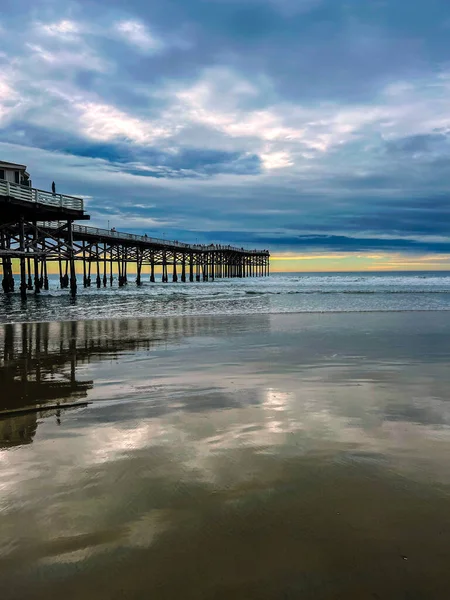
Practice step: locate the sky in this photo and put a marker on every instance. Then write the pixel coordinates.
(317, 129)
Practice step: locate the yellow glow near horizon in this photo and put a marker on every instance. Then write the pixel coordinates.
(358, 261)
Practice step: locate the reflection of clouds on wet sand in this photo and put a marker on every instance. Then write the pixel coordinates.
(200, 439)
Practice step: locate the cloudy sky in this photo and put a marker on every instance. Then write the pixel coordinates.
(319, 129)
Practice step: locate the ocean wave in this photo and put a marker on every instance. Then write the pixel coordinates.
(337, 292)
(275, 295)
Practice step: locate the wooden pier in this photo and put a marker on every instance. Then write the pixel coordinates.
(38, 227)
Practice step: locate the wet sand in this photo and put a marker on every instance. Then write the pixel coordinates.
(272, 456)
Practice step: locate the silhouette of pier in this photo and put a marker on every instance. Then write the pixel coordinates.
(38, 227)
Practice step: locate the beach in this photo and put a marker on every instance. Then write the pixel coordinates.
(225, 300)
(227, 456)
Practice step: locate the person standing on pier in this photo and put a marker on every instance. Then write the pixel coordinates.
(53, 188)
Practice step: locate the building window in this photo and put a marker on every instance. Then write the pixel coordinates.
(17, 176)
(2, 173)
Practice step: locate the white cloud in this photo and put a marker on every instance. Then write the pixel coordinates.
(276, 160)
(104, 122)
(60, 28)
(9, 99)
(137, 34)
(309, 132)
(80, 57)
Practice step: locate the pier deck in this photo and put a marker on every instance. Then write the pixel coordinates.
(31, 204)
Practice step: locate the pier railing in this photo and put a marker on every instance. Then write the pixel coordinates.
(143, 239)
(28, 194)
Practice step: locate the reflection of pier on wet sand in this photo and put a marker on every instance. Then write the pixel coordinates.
(39, 361)
(34, 373)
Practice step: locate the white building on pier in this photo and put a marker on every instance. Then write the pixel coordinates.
(14, 173)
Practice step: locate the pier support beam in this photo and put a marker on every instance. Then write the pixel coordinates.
(7, 284)
(205, 266)
(61, 279)
(174, 274)
(98, 280)
(122, 256)
(30, 280)
(111, 277)
(183, 267)
(73, 275)
(89, 259)
(105, 278)
(7, 281)
(197, 268)
(152, 267)
(138, 267)
(119, 268)
(37, 288)
(165, 277)
(191, 267)
(23, 273)
(212, 265)
(44, 273)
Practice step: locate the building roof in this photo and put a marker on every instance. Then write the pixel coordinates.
(12, 165)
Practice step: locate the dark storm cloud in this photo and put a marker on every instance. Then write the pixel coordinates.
(284, 123)
(352, 244)
(337, 243)
(423, 143)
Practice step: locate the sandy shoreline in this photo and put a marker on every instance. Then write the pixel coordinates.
(265, 456)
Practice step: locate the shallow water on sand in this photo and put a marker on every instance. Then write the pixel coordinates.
(247, 457)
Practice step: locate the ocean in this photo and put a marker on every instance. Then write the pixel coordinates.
(279, 293)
